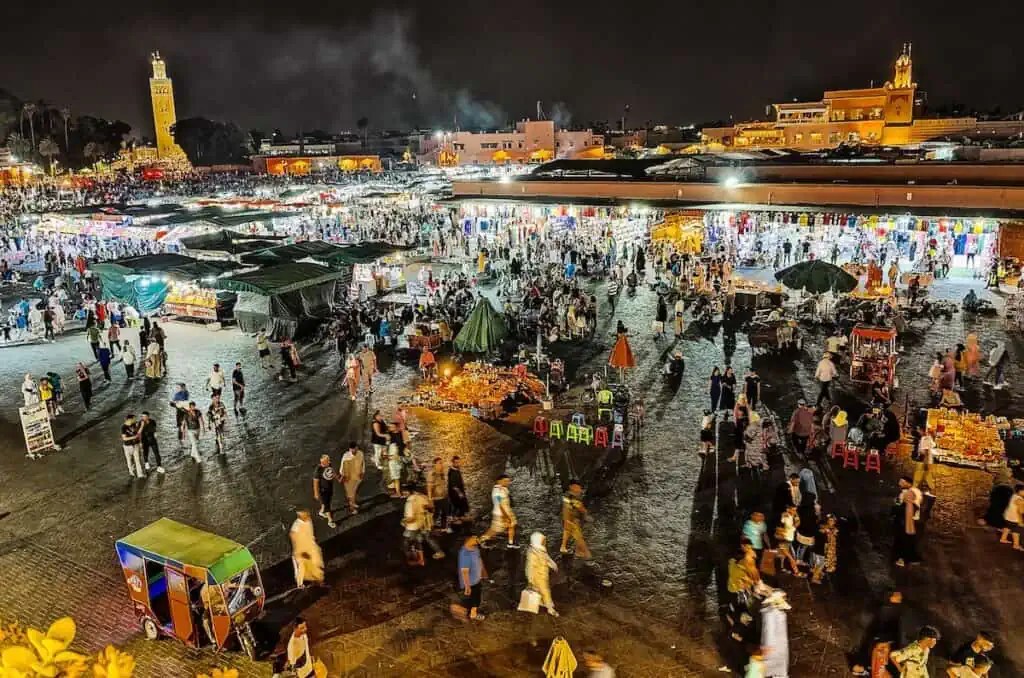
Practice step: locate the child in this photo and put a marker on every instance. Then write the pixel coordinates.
(935, 374)
(707, 433)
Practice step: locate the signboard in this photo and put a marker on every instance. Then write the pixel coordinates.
(35, 423)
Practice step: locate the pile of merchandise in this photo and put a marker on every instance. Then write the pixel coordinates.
(479, 388)
(967, 438)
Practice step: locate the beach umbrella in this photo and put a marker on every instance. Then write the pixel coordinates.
(622, 355)
(816, 276)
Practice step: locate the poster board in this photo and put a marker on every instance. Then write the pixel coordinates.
(35, 424)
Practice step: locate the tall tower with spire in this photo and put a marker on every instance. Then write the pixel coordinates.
(161, 91)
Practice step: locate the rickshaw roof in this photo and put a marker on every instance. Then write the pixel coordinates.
(171, 540)
(876, 333)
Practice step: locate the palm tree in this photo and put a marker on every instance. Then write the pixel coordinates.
(29, 111)
(363, 123)
(65, 113)
(18, 145)
(49, 148)
(92, 151)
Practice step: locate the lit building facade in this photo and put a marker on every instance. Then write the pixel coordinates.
(530, 141)
(872, 116)
(161, 92)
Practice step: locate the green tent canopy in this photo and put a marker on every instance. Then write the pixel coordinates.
(278, 279)
(484, 330)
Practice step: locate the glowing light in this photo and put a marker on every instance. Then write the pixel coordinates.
(732, 181)
(506, 179)
(447, 372)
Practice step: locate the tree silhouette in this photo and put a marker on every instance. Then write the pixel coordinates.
(28, 111)
(49, 148)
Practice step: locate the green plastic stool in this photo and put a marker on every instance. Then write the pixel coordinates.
(572, 433)
(557, 429)
(587, 434)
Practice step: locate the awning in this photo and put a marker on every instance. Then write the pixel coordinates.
(286, 277)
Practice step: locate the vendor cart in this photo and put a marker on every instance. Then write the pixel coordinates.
(873, 355)
(773, 336)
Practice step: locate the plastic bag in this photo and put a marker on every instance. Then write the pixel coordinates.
(529, 601)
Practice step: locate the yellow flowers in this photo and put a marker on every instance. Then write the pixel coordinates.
(30, 653)
(220, 673)
(112, 663)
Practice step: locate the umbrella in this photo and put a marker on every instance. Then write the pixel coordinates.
(560, 662)
(816, 276)
(484, 330)
(622, 355)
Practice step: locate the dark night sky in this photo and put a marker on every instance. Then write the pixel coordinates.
(291, 63)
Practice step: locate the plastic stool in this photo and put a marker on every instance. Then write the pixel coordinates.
(873, 462)
(540, 427)
(892, 451)
(557, 430)
(851, 459)
(838, 449)
(572, 433)
(579, 419)
(586, 434)
(601, 436)
(617, 440)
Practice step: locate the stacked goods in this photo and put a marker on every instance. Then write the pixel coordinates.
(967, 438)
(481, 387)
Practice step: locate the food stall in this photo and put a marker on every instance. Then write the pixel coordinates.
(967, 438)
(190, 300)
(873, 354)
(755, 294)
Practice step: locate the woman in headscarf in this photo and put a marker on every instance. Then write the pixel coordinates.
(538, 567)
(807, 484)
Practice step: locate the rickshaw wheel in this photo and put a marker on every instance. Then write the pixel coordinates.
(150, 628)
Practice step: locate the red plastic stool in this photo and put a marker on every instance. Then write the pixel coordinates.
(838, 449)
(540, 427)
(873, 462)
(601, 436)
(851, 459)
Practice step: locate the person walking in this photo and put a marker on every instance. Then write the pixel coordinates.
(215, 380)
(379, 438)
(300, 660)
(924, 461)
(728, 401)
(263, 350)
(114, 337)
(238, 389)
(216, 418)
(192, 426)
(824, 374)
(307, 558)
(912, 661)
(179, 401)
(29, 390)
(323, 488)
(103, 356)
(416, 521)
(437, 493)
(92, 335)
(471, 576)
(538, 569)
(287, 363)
(573, 514)
(368, 362)
(353, 468)
(129, 358)
(84, 384)
(906, 513)
(147, 436)
(130, 443)
(458, 503)
(715, 388)
(352, 376)
(801, 425)
(1013, 518)
(503, 520)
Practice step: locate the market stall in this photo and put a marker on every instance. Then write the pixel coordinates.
(285, 300)
(967, 438)
(481, 389)
(755, 294)
(873, 354)
(142, 282)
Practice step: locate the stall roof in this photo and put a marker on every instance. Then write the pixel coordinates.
(231, 242)
(333, 255)
(149, 263)
(286, 277)
(197, 270)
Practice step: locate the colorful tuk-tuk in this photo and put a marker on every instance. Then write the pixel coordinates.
(873, 355)
(193, 585)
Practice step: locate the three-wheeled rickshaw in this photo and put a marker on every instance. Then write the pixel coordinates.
(193, 585)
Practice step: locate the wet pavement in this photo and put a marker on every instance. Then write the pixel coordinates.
(664, 522)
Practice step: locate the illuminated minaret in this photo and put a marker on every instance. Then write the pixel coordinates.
(161, 91)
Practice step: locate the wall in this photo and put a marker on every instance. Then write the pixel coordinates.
(898, 197)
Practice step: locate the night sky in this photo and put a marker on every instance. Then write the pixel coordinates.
(292, 64)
